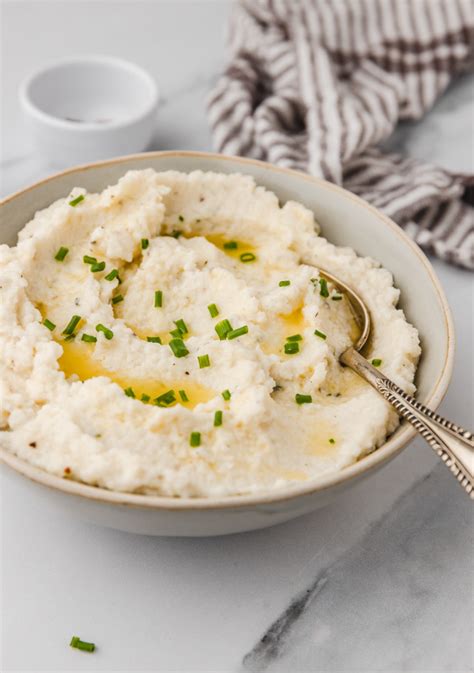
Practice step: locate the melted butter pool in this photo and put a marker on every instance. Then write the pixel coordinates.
(78, 359)
(221, 241)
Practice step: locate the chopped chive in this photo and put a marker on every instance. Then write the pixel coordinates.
(77, 200)
(50, 325)
(107, 332)
(233, 334)
(87, 259)
(223, 328)
(145, 397)
(213, 310)
(195, 439)
(332, 440)
(178, 348)
(231, 245)
(129, 392)
(336, 297)
(294, 337)
(176, 333)
(217, 419)
(145, 243)
(204, 361)
(376, 362)
(292, 347)
(61, 254)
(98, 266)
(324, 292)
(181, 325)
(70, 337)
(319, 334)
(284, 283)
(72, 324)
(226, 395)
(112, 274)
(303, 399)
(182, 394)
(89, 338)
(180, 218)
(117, 299)
(81, 644)
(158, 298)
(247, 257)
(165, 399)
(154, 339)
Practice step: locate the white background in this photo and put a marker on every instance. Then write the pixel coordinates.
(393, 554)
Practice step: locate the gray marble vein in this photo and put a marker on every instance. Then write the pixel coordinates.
(397, 564)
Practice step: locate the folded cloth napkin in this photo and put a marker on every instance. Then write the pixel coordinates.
(317, 85)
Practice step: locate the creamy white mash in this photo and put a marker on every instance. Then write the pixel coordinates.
(172, 335)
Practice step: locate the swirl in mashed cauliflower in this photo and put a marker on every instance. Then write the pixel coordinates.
(172, 335)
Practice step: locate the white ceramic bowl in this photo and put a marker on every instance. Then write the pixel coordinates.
(89, 108)
(345, 220)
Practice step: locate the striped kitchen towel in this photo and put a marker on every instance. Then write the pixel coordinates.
(317, 85)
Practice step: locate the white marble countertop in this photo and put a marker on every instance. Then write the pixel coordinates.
(380, 580)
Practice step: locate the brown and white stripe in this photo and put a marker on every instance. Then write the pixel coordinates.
(317, 85)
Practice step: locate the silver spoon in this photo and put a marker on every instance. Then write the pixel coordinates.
(453, 444)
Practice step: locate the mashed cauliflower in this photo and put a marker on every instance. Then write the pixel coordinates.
(172, 335)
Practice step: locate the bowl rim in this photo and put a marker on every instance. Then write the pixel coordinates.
(388, 450)
(52, 121)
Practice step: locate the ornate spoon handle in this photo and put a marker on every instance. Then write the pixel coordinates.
(453, 444)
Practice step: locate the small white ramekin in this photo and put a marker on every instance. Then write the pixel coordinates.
(89, 108)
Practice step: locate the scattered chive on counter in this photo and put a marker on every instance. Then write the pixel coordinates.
(89, 338)
(72, 324)
(105, 330)
(50, 325)
(117, 299)
(233, 334)
(61, 254)
(184, 397)
(213, 310)
(217, 418)
(284, 283)
(226, 395)
(324, 292)
(223, 328)
(294, 337)
(376, 362)
(158, 298)
(144, 243)
(112, 274)
(292, 347)
(178, 347)
(247, 257)
(165, 399)
(81, 644)
(204, 361)
(303, 399)
(231, 245)
(129, 392)
(77, 200)
(97, 266)
(319, 334)
(154, 339)
(195, 439)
